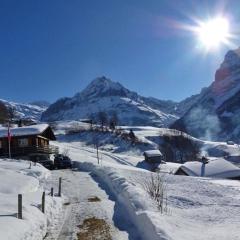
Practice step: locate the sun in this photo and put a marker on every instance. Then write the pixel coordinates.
(213, 33)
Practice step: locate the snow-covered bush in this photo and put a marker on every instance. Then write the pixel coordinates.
(156, 187)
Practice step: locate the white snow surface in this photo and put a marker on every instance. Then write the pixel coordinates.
(25, 130)
(198, 208)
(16, 178)
(153, 153)
(219, 168)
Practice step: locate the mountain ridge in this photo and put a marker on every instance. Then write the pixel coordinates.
(25, 110)
(111, 96)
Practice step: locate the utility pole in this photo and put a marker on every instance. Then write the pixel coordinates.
(9, 140)
(97, 154)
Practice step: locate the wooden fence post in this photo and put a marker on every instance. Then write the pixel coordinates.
(52, 192)
(60, 187)
(19, 206)
(43, 202)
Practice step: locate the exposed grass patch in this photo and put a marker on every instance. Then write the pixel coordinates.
(94, 229)
(94, 199)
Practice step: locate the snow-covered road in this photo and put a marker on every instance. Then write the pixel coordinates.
(87, 198)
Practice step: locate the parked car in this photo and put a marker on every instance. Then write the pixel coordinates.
(45, 161)
(230, 143)
(62, 161)
(47, 164)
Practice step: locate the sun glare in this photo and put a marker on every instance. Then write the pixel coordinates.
(213, 33)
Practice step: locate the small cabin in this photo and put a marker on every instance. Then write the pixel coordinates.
(27, 142)
(153, 156)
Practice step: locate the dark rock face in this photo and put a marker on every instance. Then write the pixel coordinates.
(215, 116)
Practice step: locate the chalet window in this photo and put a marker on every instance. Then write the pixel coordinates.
(23, 142)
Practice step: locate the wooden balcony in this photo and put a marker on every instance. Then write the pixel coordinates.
(30, 150)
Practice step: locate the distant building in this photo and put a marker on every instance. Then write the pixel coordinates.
(216, 168)
(153, 156)
(28, 142)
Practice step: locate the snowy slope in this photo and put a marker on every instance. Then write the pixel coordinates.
(24, 110)
(104, 95)
(16, 178)
(216, 114)
(148, 137)
(198, 208)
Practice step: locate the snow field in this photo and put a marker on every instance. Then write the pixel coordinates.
(199, 208)
(16, 178)
(132, 198)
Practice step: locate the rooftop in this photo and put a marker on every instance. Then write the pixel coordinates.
(24, 131)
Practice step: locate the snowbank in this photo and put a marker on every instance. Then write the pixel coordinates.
(16, 178)
(198, 208)
(133, 199)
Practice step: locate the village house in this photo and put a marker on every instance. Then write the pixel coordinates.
(153, 156)
(214, 168)
(27, 142)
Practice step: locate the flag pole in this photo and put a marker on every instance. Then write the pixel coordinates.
(9, 141)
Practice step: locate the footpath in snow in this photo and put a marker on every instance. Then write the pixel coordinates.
(91, 211)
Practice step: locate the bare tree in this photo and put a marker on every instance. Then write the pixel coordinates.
(92, 120)
(95, 141)
(3, 113)
(156, 187)
(179, 148)
(11, 113)
(103, 119)
(113, 121)
(65, 152)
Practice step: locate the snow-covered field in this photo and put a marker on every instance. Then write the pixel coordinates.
(16, 178)
(197, 208)
(150, 138)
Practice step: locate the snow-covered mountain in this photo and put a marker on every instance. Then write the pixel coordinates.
(104, 95)
(24, 110)
(216, 114)
(41, 103)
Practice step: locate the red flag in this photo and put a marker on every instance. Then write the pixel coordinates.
(9, 133)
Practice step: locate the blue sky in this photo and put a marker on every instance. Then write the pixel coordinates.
(53, 49)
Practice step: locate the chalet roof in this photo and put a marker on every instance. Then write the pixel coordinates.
(152, 153)
(219, 168)
(24, 131)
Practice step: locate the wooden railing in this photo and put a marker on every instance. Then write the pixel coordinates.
(18, 151)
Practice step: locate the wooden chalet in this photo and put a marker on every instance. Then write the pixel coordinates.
(153, 156)
(27, 142)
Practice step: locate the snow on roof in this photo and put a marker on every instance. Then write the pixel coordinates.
(219, 168)
(23, 131)
(152, 153)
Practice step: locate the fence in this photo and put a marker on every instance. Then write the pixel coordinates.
(20, 199)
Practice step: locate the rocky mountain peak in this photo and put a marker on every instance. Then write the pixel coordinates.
(103, 87)
(216, 113)
(227, 77)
